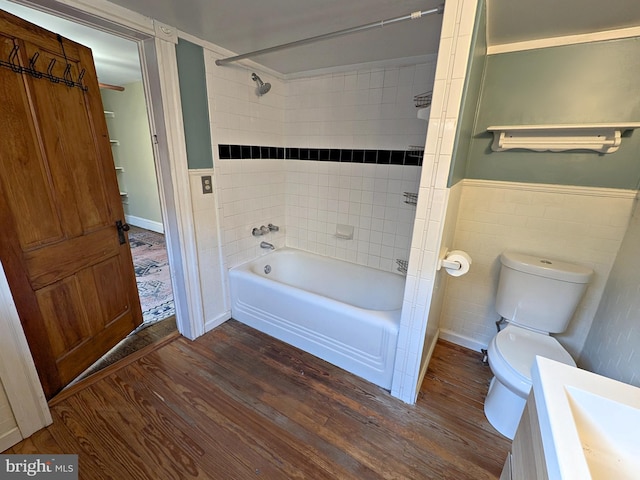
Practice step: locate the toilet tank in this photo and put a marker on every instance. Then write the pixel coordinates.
(539, 293)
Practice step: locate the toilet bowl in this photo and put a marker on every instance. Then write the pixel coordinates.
(511, 354)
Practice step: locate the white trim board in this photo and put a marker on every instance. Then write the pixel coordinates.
(17, 370)
(425, 363)
(144, 223)
(550, 188)
(381, 64)
(9, 439)
(566, 40)
(217, 321)
(461, 340)
(86, 12)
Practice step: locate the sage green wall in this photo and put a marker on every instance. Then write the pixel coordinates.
(134, 153)
(195, 104)
(471, 97)
(587, 83)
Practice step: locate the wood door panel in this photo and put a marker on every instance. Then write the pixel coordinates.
(83, 356)
(23, 175)
(66, 320)
(52, 263)
(113, 302)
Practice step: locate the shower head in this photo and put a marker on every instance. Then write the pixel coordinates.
(262, 87)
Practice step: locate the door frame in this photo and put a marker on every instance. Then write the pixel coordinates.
(156, 44)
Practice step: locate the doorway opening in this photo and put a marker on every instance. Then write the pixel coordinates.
(126, 115)
(119, 70)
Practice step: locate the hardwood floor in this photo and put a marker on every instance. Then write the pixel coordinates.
(237, 404)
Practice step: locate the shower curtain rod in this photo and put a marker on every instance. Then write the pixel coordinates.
(339, 33)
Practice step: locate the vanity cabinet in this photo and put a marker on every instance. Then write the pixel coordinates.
(526, 459)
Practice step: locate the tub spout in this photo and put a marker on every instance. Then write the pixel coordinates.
(267, 245)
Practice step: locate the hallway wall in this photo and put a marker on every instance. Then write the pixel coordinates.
(130, 128)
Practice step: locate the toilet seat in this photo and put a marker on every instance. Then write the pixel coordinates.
(512, 352)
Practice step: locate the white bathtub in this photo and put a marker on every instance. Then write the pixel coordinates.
(346, 314)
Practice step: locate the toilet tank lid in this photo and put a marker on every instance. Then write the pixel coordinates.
(546, 267)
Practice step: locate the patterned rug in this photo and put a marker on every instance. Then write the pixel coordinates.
(152, 274)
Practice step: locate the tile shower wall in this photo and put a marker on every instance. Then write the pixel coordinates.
(321, 195)
(251, 193)
(578, 225)
(238, 115)
(366, 109)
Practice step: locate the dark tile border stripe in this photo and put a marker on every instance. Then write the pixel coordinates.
(381, 157)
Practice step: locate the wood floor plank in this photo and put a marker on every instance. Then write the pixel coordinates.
(237, 413)
(237, 404)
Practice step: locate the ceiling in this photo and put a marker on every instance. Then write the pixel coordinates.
(246, 25)
(511, 21)
(242, 26)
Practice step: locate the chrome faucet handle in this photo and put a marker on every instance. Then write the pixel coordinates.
(257, 232)
(273, 227)
(264, 229)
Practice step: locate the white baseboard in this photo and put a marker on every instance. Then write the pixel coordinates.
(144, 223)
(217, 321)
(9, 439)
(425, 364)
(461, 340)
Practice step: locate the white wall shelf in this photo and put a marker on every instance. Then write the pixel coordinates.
(600, 137)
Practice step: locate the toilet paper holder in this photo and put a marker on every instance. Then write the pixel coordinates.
(451, 264)
(447, 264)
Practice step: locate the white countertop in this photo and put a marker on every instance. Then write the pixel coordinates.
(590, 424)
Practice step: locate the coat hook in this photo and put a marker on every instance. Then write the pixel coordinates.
(13, 55)
(66, 76)
(32, 66)
(50, 74)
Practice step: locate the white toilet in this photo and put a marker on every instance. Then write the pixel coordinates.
(536, 297)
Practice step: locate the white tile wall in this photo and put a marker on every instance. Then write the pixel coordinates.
(453, 55)
(613, 345)
(321, 195)
(237, 114)
(252, 194)
(364, 109)
(574, 224)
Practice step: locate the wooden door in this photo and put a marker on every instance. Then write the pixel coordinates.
(71, 277)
